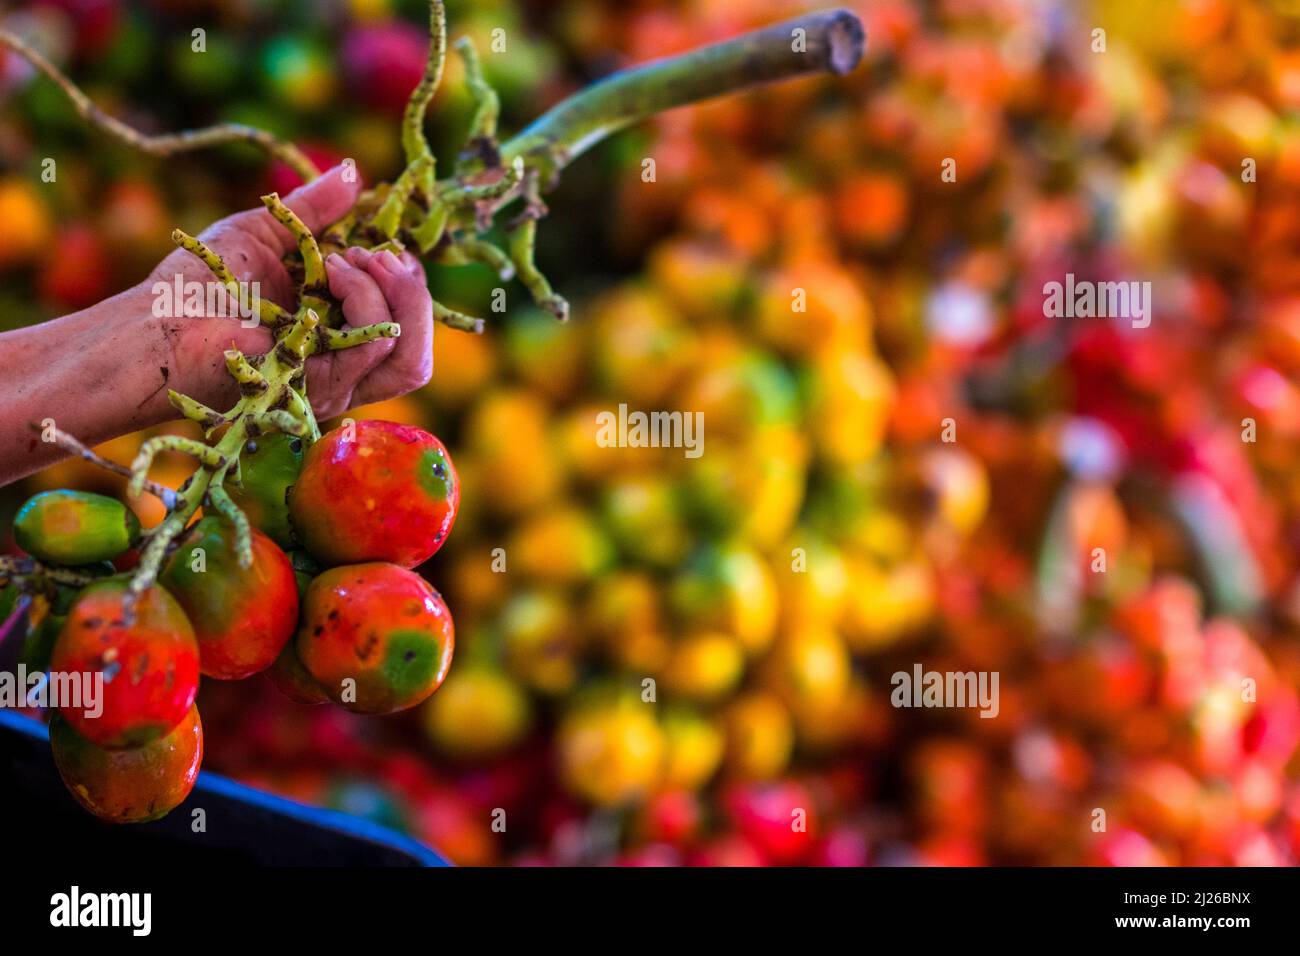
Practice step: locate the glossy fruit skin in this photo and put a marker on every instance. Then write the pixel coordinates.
(130, 786)
(242, 617)
(150, 668)
(382, 626)
(387, 493)
(268, 467)
(75, 527)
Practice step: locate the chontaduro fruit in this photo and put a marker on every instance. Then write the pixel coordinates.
(375, 491)
(130, 786)
(75, 527)
(242, 617)
(377, 637)
(150, 667)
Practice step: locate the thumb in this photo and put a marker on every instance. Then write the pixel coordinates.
(326, 199)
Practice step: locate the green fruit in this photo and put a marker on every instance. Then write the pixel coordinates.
(268, 467)
(75, 527)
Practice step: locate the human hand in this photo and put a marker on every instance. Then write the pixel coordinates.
(370, 287)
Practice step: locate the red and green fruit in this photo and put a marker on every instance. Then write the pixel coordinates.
(242, 617)
(130, 786)
(376, 637)
(75, 527)
(375, 491)
(150, 667)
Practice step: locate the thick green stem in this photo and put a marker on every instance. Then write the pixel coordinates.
(830, 41)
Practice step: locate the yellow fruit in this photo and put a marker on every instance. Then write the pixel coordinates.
(753, 491)
(728, 589)
(809, 664)
(701, 279)
(642, 349)
(824, 725)
(884, 605)
(760, 737)
(507, 434)
(643, 516)
(611, 753)
(475, 583)
(694, 746)
(813, 584)
(578, 439)
(539, 641)
(478, 712)
(850, 397)
(622, 615)
(739, 390)
(704, 666)
(621, 602)
(814, 307)
(462, 366)
(560, 546)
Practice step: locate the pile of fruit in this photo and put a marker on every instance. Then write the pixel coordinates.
(1122, 690)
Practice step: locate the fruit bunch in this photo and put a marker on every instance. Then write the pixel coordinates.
(289, 551)
(306, 574)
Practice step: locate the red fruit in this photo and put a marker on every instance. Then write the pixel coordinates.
(384, 63)
(150, 668)
(130, 786)
(376, 637)
(78, 276)
(729, 850)
(96, 23)
(671, 817)
(777, 817)
(242, 617)
(375, 491)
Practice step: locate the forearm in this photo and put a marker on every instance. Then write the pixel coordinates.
(96, 374)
